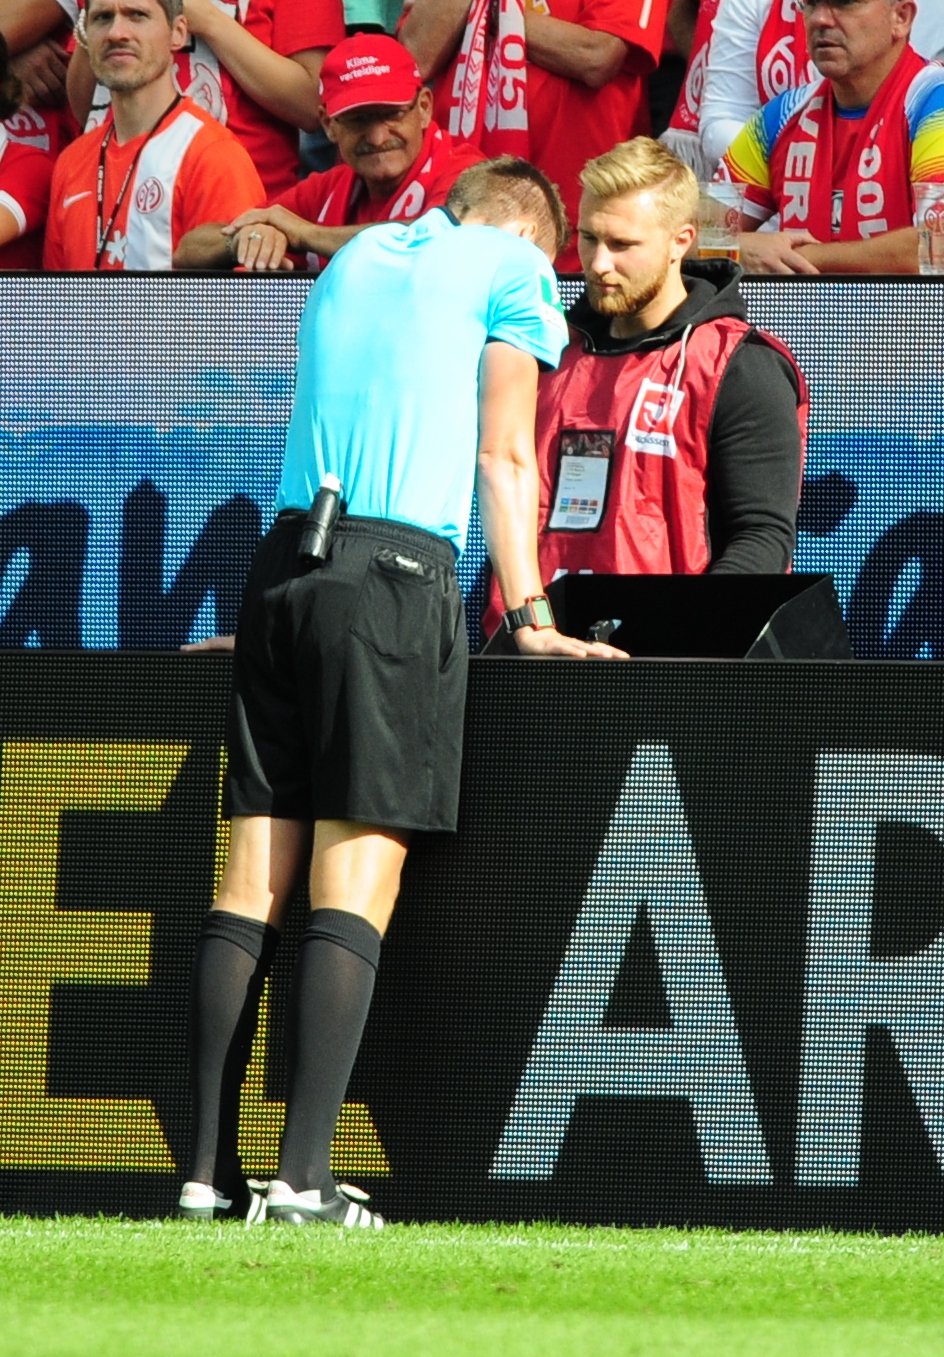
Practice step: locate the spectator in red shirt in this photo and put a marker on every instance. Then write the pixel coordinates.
(254, 65)
(576, 68)
(395, 163)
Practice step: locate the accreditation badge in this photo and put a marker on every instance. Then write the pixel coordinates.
(584, 462)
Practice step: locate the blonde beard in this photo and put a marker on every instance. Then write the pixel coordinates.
(630, 301)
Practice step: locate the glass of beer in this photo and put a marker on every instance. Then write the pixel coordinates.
(719, 220)
(929, 219)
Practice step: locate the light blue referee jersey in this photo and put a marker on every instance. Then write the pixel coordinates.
(386, 389)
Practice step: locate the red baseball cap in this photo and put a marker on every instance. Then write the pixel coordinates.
(368, 69)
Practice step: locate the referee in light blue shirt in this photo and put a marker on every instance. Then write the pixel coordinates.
(419, 352)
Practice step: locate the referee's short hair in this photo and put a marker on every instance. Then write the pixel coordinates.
(509, 188)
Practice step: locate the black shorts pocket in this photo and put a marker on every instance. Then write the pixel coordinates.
(397, 611)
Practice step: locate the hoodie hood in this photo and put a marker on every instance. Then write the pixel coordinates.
(712, 286)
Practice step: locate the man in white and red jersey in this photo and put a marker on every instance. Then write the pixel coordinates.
(253, 64)
(25, 172)
(572, 71)
(670, 439)
(682, 135)
(123, 194)
(395, 164)
(836, 158)
(759, 50)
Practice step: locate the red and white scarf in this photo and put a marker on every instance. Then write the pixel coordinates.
(488, 101)
(783, 59)
(870, 200)
(688, 106)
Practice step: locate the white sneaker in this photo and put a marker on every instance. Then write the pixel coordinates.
(310, 1208)
(200, 1201)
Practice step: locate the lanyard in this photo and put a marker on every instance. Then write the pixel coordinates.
(103, 232)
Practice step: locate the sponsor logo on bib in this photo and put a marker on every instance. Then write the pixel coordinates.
(652, 420)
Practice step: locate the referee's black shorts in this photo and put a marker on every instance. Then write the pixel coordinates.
(349, 680)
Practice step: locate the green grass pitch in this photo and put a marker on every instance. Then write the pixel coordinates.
(98, 1287)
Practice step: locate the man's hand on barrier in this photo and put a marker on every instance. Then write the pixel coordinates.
(257, 244)
(776, 252)
(550, 641)
(218, 645)
(265, 225)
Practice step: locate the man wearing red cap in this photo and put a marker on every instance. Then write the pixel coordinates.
(395, 163)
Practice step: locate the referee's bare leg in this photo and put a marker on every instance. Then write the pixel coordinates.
(266, 858)
(354, 867)
(357, 867)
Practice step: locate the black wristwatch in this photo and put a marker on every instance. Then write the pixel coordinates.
(536, 612)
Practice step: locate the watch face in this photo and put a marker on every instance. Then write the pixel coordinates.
(543, 613)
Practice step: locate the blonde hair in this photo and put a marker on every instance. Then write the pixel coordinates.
(645, 165)
(506, 188)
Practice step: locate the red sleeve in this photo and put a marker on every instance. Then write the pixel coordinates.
(52, 246)
(309, 195)
(290, 26)
(25, 175)
(220, 183)
(640, 23)
(52, 241)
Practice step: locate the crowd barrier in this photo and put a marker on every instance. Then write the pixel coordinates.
(142, 421)
(683, 962)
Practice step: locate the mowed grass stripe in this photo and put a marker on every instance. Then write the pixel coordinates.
(105, 1286)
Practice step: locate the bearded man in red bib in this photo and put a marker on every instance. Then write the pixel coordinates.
(670, 440)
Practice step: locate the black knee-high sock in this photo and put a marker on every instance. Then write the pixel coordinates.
(231, 963)
(331, 992)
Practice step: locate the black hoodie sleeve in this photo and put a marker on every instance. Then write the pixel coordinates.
(754, 463)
